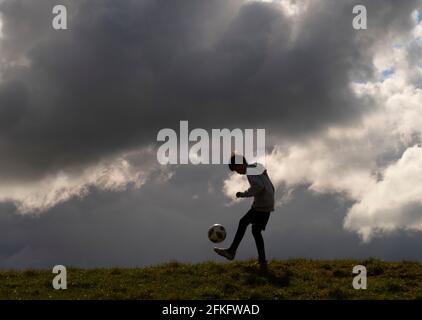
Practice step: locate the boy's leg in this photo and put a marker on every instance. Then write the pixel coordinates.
(258, 225)
(241, 229)
(259, 241)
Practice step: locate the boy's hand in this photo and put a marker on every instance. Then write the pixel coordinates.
(238, 194)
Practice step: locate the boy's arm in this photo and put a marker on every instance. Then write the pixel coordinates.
(256, 188)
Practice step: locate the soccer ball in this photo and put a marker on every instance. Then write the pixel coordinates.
(216, 233)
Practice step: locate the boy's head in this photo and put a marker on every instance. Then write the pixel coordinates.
(238, 163)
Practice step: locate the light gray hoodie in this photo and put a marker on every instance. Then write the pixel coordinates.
(262, 189)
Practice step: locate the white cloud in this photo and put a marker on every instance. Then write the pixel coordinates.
(374, 162)
(393, 203)
(289, 7)
(234, 184)
(131, 169)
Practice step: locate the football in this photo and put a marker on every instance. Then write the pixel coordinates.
(216, 233)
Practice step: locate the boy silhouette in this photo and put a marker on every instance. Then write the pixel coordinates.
(262, 189)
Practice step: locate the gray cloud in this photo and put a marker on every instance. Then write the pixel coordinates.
(126, 69)
(110, 229)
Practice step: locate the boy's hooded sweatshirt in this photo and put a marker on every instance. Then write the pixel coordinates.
(261, 188)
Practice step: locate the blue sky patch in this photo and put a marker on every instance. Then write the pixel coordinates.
(387, 73)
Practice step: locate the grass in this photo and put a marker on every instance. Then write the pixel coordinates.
(290, 279)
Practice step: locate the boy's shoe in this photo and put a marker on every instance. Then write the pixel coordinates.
(263, 266)
(226, 253)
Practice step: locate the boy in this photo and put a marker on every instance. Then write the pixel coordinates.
(262, 189)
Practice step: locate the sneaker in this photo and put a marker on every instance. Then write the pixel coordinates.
(263, 266)
(226, 253)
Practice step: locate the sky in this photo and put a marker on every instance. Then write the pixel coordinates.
(80, 109)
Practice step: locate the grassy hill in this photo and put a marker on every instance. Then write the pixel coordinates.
(290, 279)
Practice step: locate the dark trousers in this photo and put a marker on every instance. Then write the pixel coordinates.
(259, 221)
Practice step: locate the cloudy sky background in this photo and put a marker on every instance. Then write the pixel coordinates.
(80, 111)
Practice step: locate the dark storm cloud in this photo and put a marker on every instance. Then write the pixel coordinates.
(126, 69)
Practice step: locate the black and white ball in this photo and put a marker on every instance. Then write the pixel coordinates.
(216, 233)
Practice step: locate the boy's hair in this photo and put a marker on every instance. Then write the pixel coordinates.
(236, 160)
